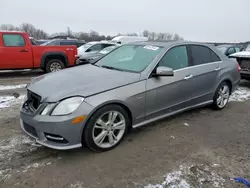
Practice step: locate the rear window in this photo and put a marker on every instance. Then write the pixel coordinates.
(13, 40)
(202, 55)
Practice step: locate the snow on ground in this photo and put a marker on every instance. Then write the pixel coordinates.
(6, 71)
(10, 87)
(240, 95)
(191, 177)
(76, 185)
(7, 173)
(18, 144)
(7, 101)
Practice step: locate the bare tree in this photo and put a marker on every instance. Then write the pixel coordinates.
(145, 33)
(9, 27)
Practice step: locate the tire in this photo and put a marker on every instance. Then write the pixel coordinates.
(219, 104)
(92, 134)
(54, 65)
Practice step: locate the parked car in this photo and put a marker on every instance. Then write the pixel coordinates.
(132, 86)
(93, 57)
(128, 39)
(243, 58)
(18, 52)
(228, 49)
(93, 48)
(64, 42)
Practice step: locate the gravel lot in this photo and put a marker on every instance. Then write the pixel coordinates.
(200, 148)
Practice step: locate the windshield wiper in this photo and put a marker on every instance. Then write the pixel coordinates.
(112, 68)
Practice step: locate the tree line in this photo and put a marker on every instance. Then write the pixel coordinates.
(87, 36)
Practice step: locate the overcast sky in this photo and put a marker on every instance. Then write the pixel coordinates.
(198, 20)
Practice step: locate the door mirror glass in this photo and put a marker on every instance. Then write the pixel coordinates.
(164, 71)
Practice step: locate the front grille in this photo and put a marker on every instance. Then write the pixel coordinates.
(34, 100)
(30, 129)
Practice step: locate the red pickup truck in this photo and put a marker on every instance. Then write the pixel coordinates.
(17, 52)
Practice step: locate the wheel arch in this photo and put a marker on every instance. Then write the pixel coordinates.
(54, 55)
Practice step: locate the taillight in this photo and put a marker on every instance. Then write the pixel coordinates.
(238, 67)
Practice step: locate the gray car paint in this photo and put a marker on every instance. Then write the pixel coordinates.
(146, 98)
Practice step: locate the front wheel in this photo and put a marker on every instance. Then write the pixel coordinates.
(106, 128)
(221, 96)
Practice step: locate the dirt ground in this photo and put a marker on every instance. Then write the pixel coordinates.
(200, 148)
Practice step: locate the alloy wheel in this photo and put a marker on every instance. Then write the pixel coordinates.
(109, 129)
(223, 96)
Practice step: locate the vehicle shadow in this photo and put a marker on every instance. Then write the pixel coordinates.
(20, 73)
(245, 83)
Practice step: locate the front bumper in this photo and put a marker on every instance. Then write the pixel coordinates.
(56, 132)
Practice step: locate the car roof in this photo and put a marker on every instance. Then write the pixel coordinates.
(167, 44)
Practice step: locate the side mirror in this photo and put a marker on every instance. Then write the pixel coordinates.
(164, 71)
(88, 50)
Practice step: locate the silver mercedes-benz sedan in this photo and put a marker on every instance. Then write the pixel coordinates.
(96, 104)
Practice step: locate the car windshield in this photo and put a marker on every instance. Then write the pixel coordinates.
(248, 48)
(223, 49)
(107, 50)
(131, 58)
(85, 46)
(45, 43)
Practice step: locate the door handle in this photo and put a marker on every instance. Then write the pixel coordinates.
(188, 77)
(23, 50)
(218, 68)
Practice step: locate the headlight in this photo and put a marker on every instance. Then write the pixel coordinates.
(65, 107)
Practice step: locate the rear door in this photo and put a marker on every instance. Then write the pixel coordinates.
(17, 52)
(206, 65)
(166, 95)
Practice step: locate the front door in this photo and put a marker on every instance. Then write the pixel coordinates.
(16, 53)
(166, 95)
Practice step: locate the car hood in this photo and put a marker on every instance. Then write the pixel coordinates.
(243, 54)
(84, 80)
(87, 56)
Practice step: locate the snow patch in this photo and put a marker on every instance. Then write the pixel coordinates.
(7, 101)
(5, 174)
(191, 176)
(240, 94)
(173, 137)
(10, 87)
(19, 144)
(34, 165)
(76, 185)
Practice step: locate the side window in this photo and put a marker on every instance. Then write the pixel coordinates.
(65, 43)
(231, 50)
(201, 55)
(96, 47)
(237, 49)
(107, 45)
(175, 58)
(13, 40)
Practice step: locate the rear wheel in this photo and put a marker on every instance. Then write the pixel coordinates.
(106, 128)
(221, 96)
(54, 65)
